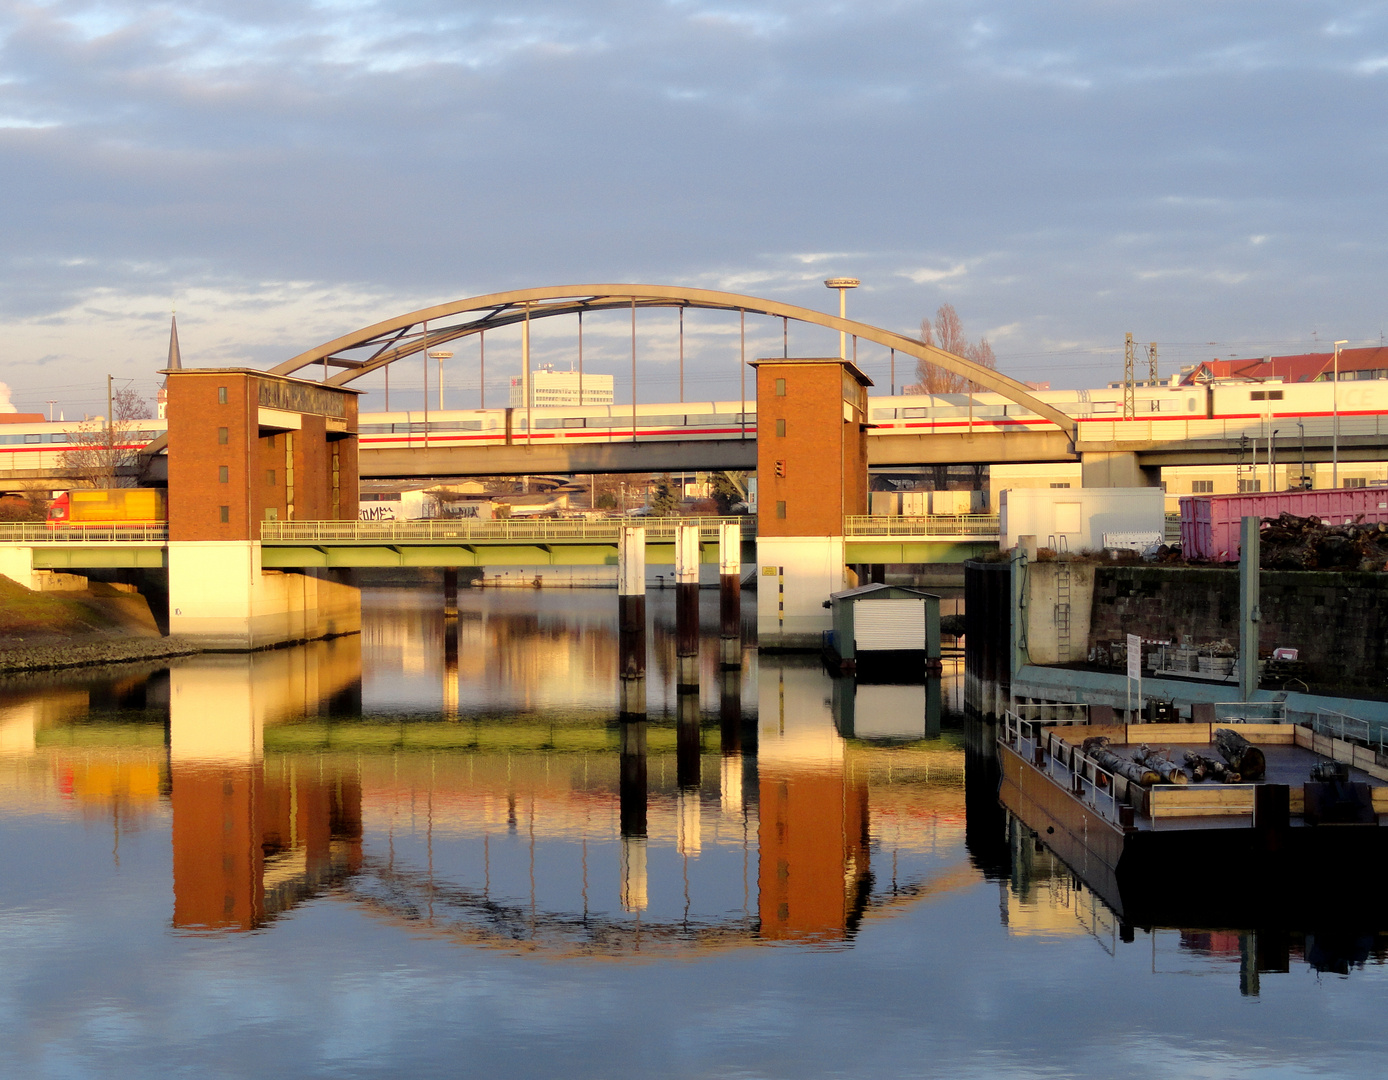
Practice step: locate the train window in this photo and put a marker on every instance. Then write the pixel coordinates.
(60, 437)
(744, 418)
(548, 422)
(1265, 395)
(368, 429)
(221, 395)
(575, 422)
(884, 414)
(1105, 406)
(702, 420)
(915, 414)
(8, 439)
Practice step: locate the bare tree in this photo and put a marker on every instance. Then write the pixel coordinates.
(101, 448)
(947, 332)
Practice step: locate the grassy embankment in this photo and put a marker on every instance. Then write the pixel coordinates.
(27, 614)
(103, 625)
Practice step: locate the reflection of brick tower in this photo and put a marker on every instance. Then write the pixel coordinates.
(218, 864)
(248, 845)
(811, 471)
(813, 840)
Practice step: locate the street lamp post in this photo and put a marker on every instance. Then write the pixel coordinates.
(843, 284)
(441, 355)
(1335, 434)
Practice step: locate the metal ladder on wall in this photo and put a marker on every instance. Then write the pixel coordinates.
(1062, 606)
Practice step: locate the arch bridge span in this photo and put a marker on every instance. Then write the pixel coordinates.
(383, 343)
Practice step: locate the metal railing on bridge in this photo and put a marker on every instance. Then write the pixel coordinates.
(501, 530)
(982, 525)
(40, 532)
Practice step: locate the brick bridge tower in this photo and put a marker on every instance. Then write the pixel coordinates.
(247, 447)
(811, 471)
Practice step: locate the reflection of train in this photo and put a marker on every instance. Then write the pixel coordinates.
(101, 508)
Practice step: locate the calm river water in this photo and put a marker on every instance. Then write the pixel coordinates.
(395, 855)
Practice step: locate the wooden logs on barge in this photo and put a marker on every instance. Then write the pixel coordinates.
(1242, 761)
(1243, 757)
(1164, 767)
(1097, 749)
(1201, 766)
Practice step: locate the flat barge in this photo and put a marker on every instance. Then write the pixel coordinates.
(1288, 845)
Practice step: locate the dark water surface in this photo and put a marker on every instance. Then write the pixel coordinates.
(391, 856)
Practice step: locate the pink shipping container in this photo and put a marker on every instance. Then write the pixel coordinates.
(1210, 523)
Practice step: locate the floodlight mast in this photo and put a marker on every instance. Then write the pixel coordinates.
(843, 284)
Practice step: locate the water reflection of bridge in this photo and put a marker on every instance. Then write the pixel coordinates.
(767, 826)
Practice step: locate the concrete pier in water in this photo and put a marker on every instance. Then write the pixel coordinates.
(687, 606)
(730, 595)
(631, 621)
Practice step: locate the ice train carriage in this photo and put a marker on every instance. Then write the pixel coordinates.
(1221, 410)
(35, 449)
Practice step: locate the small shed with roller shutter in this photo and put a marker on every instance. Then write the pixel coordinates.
(885, 623)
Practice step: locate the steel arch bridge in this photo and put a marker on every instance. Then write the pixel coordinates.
(381, 344)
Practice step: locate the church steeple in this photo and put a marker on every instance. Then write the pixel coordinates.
(175, 358)
(175, 364)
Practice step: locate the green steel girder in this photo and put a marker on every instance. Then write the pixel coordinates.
(914, 551)
(99, 557)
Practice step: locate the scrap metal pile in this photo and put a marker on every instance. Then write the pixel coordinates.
(1308, 543)
(1241, 761)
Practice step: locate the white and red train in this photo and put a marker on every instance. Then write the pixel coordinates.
(1224, 409)
(1219, 410)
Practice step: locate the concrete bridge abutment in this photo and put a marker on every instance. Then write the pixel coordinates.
(1116, 469)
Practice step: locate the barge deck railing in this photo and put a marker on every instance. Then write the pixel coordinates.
(1250, 712)
(1070, 768)
(1053, 712)
(1348, 728)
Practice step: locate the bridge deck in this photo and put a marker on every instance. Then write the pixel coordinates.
(508, 542)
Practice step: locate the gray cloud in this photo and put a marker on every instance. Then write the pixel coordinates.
(1193, 173)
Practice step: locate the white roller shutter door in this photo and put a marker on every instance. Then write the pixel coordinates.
(888, 624)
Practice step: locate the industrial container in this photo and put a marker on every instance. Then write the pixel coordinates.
(1210, 523)
(103, 508)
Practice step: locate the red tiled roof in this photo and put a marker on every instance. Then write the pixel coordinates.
(1303, 367)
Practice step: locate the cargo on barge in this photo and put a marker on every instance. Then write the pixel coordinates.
(1306, 838)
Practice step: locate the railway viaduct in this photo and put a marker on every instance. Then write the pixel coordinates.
(250, 449)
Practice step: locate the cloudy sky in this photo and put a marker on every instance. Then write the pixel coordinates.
(1207, 175)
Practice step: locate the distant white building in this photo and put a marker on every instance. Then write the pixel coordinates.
(550, 389)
